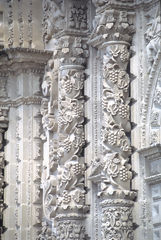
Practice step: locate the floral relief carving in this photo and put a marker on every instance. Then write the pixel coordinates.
(71, 50)
(63, 122)
(154, 137)
(117, 223)
(70, 230)
(78, 17)
(72, 82)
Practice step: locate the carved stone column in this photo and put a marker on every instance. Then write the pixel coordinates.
(64, 188)
(112, 36)
(71, 168)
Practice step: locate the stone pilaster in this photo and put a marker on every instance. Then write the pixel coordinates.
(25, 69)
(112, 36)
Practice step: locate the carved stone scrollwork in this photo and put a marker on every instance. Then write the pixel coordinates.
(117, 222)
(73, 230)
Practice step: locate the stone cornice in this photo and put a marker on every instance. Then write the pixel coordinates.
(72, 32)
(146, 4)
(112, 24)
(123, 5)
(114, 4)
(21, 101)
(23, 59)
(146, 152)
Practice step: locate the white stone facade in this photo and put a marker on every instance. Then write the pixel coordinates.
(80, 119)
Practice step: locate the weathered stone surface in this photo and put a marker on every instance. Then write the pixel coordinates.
(80, 136)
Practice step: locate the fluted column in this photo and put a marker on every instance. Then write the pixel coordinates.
(112, 36)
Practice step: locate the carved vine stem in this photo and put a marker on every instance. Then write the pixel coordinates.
(112, 36)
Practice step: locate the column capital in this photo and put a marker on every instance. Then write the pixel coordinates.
(112, 24)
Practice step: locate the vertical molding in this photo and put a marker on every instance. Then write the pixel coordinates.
(24, 194)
